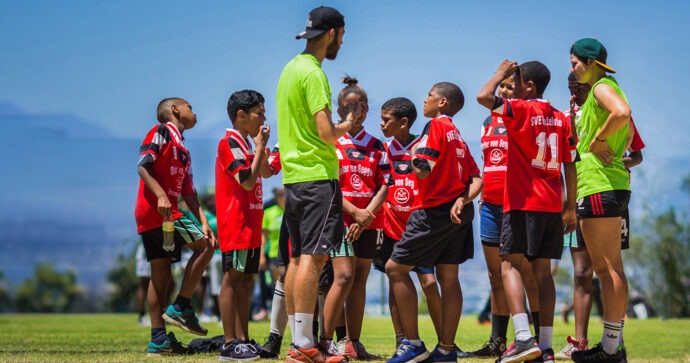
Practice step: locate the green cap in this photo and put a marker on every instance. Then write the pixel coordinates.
(591, 48)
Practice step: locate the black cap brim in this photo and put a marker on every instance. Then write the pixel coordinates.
(308, 34)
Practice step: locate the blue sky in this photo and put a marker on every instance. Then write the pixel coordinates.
(110, 62)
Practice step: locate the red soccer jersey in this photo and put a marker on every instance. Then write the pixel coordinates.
(274, 160)
(164, 153)
(445, 154)
(239, 212)
(495, 154)
(402, 190)
(360, 172)
(637, 143)
(540, 140)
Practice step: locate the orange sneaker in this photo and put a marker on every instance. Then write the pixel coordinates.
(356, 350)
(312, 355)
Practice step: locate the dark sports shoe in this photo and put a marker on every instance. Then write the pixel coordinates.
(598, 355)
(460, 353)
(494, 347)
(520, 351)
(439, 357)
(408, 352)
(185, 320)
(169, 347)
(238, 351)
(547, 356)
(356, 350)
(262, 353)
(272, 343)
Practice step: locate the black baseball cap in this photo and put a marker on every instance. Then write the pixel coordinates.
(321, 19)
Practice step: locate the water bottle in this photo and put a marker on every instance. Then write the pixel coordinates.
(168, 235)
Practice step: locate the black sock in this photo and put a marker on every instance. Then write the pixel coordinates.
(340, 332)
(535, 322)
(499, 326)
(182, 303)
(158, 335)
(141, 314)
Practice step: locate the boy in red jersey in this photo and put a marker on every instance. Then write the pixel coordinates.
(540, 141)
(439, 230)
(397, 116)
(239, 210)
(165, 170)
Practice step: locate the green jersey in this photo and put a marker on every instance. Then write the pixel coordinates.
(592, 176)
(273, 217)
(303, 90)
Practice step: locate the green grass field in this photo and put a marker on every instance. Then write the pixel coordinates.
(117, 338)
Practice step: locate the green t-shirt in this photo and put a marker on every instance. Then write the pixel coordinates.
(303, 90)
(273, 217)
(592, 176)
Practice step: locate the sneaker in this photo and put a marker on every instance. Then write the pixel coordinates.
(312, 355)
(573, 346)
(408, 352)
(598, 355)
(494, 347)
(238, 350)
(329, 347)
(208, 318)
(169, 347)
(460, 353)
(185, 320)
(520, 351)
(262, 353)
(144, 320)
(546, 356)
(272, 343)
(438, 356)
(356, 350)
(260, 315)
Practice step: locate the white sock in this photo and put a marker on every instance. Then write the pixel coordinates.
(622, 326)
(291, 322)
(521, 325)
(304, 337)
(416, 342)
(278, 310)
(545, 334)
(611, 337)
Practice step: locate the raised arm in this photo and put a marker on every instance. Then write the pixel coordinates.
(486, 96)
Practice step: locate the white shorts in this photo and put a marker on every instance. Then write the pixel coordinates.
(143, 266)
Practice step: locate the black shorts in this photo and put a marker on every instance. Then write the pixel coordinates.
(602, 205)
(246, 261)
(326, 276)
(314, 214)
(625, 232)
(431, 238)
(284, 244)
(384, 254)
(186, 232)
(533, 234)
(364, 247)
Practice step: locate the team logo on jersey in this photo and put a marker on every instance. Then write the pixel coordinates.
(402, 166)
(356, 181)
(500, 130)
(259, 193)
(496, 156)
(354, 154)
(401, 195)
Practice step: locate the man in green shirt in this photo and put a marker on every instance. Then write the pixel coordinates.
(313, 201)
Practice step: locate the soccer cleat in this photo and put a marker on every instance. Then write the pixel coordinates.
(169, 347)
(185, 320)
(598, 355)
(312, 355)
(573, 346)
(494, 347)
(520, 351)
(355, 350)
(238, 351)
(437, 356)
(546, 356)
(408, 353)
(272, 343)
(329, 347)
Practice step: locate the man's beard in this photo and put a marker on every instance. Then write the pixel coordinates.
(332, 50)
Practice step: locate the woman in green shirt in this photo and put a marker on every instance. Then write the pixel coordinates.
(603, 189)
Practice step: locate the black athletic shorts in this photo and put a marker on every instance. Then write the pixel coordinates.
(314, 213)
(533, 234)
(246, 260)
(605, 204)
(326, 276)
(625, 232)
(431, 238)
(384, 254)
(364, 247)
